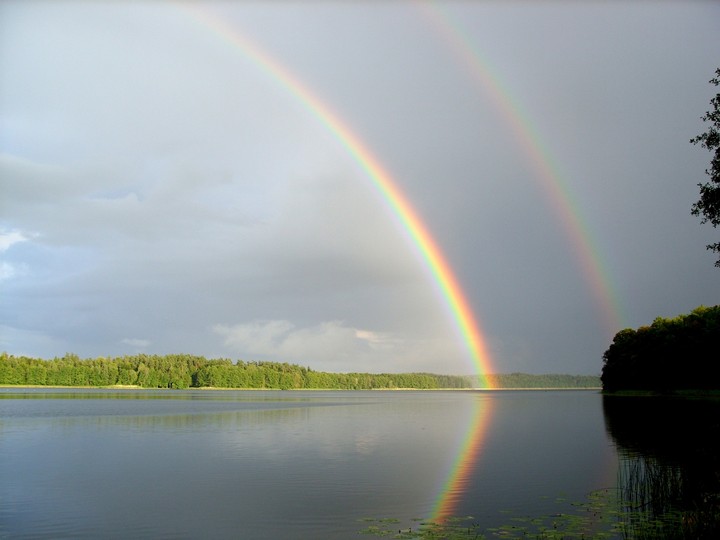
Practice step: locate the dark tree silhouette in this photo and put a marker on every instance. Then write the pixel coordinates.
(669, 355)
(708, 207)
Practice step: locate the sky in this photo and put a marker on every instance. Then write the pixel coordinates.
(173, 178)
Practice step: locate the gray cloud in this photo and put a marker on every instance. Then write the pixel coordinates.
(162, 191)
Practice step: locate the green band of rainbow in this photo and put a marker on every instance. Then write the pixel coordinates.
(440, 269)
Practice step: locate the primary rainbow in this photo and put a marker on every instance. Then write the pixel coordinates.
(454, 297)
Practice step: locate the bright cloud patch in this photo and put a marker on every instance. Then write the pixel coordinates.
(376, 339)
(8, 238)
(135, 342)
(333, 346)
(330, 341)
(7, 270)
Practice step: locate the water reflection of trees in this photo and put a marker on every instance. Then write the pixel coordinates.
(669, 475)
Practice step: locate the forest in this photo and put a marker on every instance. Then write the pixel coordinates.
(187, 371)
(680, 353)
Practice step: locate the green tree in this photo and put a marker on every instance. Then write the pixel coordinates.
(708, 207)
(671, 354)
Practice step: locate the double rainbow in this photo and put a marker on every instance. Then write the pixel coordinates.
(547, 174)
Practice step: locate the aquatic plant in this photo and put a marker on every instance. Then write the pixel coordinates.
(594, 518)
(605, 514)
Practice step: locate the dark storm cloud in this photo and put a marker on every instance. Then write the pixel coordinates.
(163, 193)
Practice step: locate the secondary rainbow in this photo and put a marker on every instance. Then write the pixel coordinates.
(546, 170)
(463, 316)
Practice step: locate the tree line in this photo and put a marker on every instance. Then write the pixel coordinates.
(679, 353)
(547, 380)
(188, 371)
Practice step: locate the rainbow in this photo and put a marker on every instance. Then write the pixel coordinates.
(444, 277)
(457, 478)
(547, 171)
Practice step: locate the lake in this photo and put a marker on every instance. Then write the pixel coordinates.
(307, 465)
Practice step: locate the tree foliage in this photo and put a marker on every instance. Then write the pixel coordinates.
(187, 371)
(708, 207)
(543, 381)
(670, 354)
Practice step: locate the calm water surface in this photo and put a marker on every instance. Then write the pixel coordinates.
(234, 464)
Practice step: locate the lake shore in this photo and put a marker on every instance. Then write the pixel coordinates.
(218, 388)
(688, 394)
